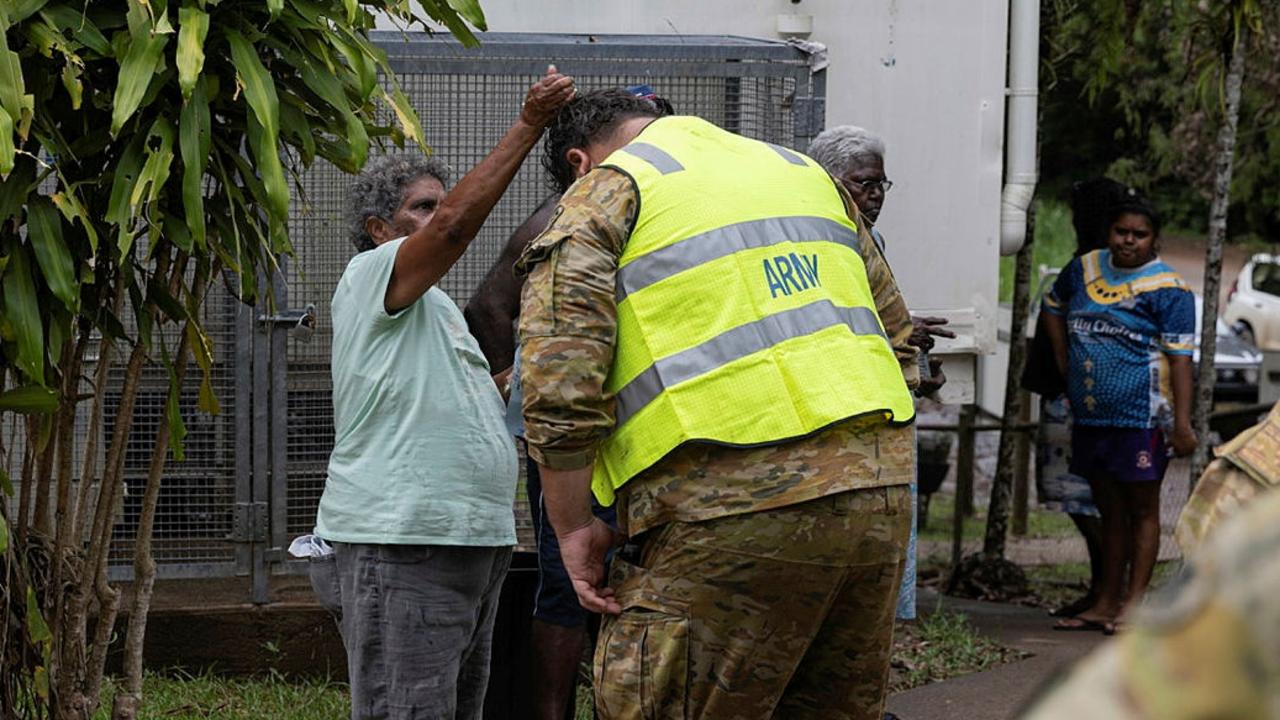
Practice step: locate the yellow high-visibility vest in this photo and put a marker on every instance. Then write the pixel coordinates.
(744, 313)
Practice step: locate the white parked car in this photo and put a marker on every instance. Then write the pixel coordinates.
(1254, 303)
(1236, 361)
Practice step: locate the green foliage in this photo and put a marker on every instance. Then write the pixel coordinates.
(179, 696)
(29, 400)
(943, 644)
(1040, 523)
(137, 114)
(139, 140)
(1055, 244)
(1134, 91)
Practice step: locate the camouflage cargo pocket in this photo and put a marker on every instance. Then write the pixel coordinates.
(537, 298)
(642, 668)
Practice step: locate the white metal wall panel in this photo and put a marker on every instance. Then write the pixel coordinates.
(928, 75)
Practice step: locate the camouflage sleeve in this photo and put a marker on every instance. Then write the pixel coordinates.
(884, 289)
(568, 320)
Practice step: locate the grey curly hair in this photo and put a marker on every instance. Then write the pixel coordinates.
(379, 189)
(835, 148)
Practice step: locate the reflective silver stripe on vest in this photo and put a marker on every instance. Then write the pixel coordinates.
(787, 155)
(655, 156)
(715, 244)
(738, 343)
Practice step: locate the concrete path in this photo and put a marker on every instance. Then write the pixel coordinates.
(1000, 693)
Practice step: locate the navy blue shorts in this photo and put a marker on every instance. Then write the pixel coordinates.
(1118, 453)
(555, 601)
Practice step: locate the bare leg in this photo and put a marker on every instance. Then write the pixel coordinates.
(1114, 550)
(1142, 501)
(557, 653)
(1090, 528)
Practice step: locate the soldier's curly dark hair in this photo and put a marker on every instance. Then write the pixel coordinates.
(586, 119)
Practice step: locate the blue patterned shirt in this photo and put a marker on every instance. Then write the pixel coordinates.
(1122, 324)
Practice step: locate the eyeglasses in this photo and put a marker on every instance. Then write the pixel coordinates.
(868, 185)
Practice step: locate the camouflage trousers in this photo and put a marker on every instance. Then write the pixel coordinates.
(783, 613)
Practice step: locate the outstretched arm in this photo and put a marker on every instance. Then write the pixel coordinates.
(425, 256)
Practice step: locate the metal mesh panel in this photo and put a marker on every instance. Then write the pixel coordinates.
(194, 510)
(197, 494)
(467, 100)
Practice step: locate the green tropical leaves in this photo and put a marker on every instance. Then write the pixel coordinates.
(29, 400)
(44, 225)
(22, 312)
(260, 92)
(193, 28)
(142, 52)
(145, 152)
(173, 121)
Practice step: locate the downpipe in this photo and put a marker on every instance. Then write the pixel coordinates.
(1020, 124)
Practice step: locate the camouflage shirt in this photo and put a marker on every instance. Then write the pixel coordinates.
(1246, 467)
(568, 328)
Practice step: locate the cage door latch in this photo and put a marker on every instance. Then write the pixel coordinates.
(249, 522)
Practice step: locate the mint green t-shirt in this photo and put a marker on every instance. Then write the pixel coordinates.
(421, 453)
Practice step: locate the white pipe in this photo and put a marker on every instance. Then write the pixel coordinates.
(1020, 124)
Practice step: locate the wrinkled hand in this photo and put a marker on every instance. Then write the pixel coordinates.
(546, 97)
(583, 552)
(1184, 441)
(924, 329)
(934, 382)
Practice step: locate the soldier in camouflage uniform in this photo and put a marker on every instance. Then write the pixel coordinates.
(765, 578)
(1246, 467)
(1207, 648)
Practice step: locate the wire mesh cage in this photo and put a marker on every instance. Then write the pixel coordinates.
(253, 474)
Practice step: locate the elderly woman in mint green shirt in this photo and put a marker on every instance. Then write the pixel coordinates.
(418, 499)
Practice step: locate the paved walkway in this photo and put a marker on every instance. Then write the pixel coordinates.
(1000, 693)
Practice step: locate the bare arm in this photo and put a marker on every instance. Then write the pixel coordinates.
(425, 256)
(1184, 439)
(493, 309)
(1056, 326)
(585, 540)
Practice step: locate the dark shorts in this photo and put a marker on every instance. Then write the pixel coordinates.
(555, 602)
(1118, 453)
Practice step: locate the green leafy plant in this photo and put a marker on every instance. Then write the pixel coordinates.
(146, 150)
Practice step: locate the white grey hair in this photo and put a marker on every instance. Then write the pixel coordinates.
(835, 148)
(379, 190)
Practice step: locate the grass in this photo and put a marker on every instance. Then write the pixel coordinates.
(1040, 523)
(942, 645)
(178, 696)
(1057, 585)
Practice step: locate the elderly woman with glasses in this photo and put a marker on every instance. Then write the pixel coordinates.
(855, 158)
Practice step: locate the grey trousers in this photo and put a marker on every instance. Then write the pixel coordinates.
(417, 623)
